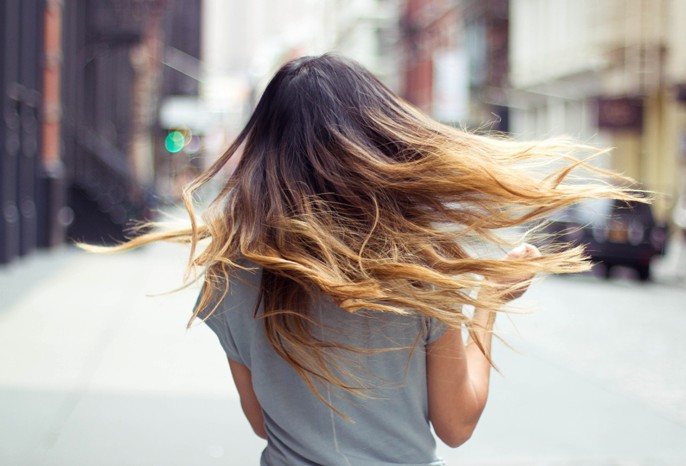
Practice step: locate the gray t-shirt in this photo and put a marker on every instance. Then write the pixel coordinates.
(392, 428)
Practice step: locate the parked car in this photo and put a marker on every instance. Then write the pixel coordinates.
(613, 232)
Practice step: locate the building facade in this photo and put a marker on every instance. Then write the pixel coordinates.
(369, 32)
(80, 86)
(455, 60)
(609, 73)
(30, 52)
(244, 43)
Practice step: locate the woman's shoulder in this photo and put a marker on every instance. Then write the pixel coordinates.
(245, 272)
(233, 287)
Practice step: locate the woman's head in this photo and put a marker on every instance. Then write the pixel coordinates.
(325, 128)
(344, 188)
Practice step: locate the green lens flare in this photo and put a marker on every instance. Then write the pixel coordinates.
(174, 141)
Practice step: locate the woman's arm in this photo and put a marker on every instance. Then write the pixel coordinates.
(457, 381)
(249, 402)
(458, 375)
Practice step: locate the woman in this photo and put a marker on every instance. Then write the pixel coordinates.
(340, 259)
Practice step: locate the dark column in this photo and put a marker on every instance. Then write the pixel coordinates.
(51, 197)
(21, 28)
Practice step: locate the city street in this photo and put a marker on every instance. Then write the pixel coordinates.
(328, 114)
(97, 373)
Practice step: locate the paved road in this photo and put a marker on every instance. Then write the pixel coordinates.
(96, 373)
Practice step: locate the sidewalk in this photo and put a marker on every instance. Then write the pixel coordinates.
(96, 373)
(671, 268)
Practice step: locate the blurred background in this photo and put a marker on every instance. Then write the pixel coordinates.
(110, 106)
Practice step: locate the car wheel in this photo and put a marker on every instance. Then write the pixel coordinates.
(643, 272)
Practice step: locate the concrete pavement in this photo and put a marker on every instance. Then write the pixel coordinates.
(96, 373)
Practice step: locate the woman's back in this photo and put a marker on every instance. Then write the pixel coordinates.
(392, 428)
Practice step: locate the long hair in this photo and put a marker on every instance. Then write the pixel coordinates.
(344, 188)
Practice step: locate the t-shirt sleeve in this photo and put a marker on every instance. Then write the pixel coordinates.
(223, 333)
(220, 322)
(436, 328)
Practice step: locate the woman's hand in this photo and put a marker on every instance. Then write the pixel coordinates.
(523, 251)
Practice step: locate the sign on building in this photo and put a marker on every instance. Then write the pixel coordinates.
(620, 113)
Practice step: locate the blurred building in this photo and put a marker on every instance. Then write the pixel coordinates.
(177, 161)
(81, 84)
(455, 60)
(369, 32)
(24, 160)
(486, 32)
(244, 43)
(611, 72)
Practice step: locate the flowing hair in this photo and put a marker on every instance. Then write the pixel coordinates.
(344, 188)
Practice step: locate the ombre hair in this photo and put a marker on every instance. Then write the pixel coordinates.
(343, 188)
